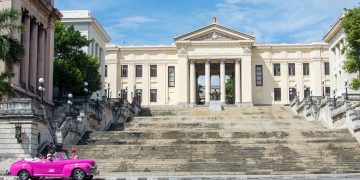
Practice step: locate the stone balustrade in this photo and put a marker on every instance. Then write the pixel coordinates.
(332, 113)
(21, 106)
(340, 109)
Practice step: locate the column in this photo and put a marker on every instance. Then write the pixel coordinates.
(50, 61)
(46, 62)
(33, 56)
(41, 55)
(237, 81)
(222, 80)
(183, 78)
(337, 53)
(26, 44)
(207, 81)
(341, 47)
(246, 81)
(192, 82)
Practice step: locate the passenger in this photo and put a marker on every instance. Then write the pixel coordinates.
(74, 154)
(52, 148)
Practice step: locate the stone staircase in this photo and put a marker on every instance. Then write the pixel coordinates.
(246, 140)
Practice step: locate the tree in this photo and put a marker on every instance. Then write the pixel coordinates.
(229, 89)
(11, 50)
(72, 66)
(351, 25)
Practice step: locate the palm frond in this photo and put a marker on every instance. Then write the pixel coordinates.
(9, 20)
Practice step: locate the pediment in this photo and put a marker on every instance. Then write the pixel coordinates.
(215, 32)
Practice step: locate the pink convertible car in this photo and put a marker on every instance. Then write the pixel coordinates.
(60, 166)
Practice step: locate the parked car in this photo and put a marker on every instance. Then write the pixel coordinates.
(58, 166)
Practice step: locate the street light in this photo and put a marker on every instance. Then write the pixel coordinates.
(69, 102)
(346, 86)
(334, 94)
(86, 90)
(323, 87)
(41, 89)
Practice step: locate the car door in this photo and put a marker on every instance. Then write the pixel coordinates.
(57, 165)
(40, 166)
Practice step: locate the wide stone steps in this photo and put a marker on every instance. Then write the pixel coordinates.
(254, 140)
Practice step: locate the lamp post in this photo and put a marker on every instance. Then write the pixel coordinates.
(311, 102)
(41, 89)
(86, 90)
(346, 86)
(323, 87)
(69, 102)
(334, 94)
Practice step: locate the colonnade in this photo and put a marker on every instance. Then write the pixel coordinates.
(193, 80)
(36, 41)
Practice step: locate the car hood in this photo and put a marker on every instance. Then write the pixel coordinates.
(89, 161)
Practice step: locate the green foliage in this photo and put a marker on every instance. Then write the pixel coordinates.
(351, 25)
(11, 50)
(229, 89)
(72, 66)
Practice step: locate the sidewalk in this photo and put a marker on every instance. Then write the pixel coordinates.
(132, 176)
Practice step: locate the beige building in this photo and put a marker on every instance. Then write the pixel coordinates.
(264, 74)
(24, 119)
(340, 79)
(83, 21)
(38, 18)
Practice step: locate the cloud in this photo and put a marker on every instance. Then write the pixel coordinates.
(133, 21)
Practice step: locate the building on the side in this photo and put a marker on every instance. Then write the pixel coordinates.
(264, 74)
(336, 39)
(24, 122)
(83, 21)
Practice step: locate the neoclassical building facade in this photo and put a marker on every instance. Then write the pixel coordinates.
(89, 26)
(264, 74)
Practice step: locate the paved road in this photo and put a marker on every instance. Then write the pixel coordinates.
(120, 176)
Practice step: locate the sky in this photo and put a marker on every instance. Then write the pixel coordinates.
(156, 22)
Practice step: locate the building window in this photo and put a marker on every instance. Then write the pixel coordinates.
(124, 70)
(153, 94)
(327, 68)
(277, 69)
(171, 76)
(153, 70)
(327, 91)
(292, 93)
(306, 70)
(259, 75)
(291, 68)
(277, 94)
(105, 70)
(138, 70)
(306, 92)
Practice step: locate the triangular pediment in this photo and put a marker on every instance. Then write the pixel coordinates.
(215, 32)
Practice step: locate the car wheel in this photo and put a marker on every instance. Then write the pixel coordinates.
(79, 174)
(24, 175)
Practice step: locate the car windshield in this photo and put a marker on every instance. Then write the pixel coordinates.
(64, 156)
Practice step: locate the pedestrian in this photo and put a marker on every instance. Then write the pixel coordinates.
(74, 154)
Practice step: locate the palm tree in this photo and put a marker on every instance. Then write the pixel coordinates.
(11, 50)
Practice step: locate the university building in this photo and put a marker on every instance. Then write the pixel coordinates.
(264, 74)
(84, 22)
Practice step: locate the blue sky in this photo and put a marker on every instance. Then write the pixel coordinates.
(155, 22)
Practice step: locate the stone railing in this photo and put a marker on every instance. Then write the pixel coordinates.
(340, 109)
(300, 105)
(294, 102)
(21, 106)
(92, 110)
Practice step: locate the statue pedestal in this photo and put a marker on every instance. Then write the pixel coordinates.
(215, 106)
